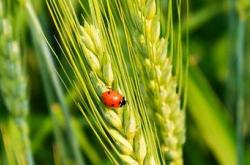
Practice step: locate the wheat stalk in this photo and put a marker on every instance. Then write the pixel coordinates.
(95, 73)
(161, 81)
(13, 84)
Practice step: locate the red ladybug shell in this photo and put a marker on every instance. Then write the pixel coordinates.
(113, 99)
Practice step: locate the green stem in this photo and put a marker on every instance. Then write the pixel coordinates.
(230, 94)
(37, 30)
(240, 90)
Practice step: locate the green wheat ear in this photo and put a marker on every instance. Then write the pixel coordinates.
(95, 56)
(158, 53)
(13, 84)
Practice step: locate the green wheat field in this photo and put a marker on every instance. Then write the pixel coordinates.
(133, 82)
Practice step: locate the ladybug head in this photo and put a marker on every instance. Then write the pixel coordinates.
(123, 102)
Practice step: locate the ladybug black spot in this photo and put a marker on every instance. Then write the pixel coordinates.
(108, 92)
(112, 105)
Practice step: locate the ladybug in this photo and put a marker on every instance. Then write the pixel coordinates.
(113, 99)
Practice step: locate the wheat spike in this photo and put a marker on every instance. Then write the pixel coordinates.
(93, 53)
(161, 81)
(13, 84)
(123, 127)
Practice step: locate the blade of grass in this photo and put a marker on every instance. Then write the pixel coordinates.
(240, 41)
(208, 114)
(235, 84)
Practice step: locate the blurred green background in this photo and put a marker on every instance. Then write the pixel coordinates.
(219, 76)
